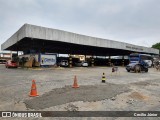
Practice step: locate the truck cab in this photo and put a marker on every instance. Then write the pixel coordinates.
(138, 62)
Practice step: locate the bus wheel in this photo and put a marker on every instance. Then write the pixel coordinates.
(128, 70)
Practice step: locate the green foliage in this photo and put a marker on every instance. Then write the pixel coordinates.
(157, 46)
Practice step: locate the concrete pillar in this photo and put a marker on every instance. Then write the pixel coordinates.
(122, 60)
(11, 54)
(70, 61)
(109, 61)
(92, 61)
(17, 53)
(85, 57)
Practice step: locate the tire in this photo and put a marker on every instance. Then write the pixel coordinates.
(128, 70)
(137, 69)
(146, 70)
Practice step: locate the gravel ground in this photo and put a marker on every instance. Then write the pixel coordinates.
(68, 94)
(143, 94)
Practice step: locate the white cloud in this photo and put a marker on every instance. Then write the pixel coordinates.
(136, 21)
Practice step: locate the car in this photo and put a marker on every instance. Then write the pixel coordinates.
(84, 64)
(78, 64)
(64, 63)
(136, 67)
(11, 64)
(81, 64)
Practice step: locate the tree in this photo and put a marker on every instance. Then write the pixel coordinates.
(156, 46)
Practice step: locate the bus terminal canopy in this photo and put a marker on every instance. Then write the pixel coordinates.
(41, 39)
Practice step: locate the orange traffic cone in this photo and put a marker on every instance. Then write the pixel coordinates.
(33, 92)
(75, 84)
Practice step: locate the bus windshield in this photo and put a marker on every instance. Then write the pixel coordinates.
(145, 57)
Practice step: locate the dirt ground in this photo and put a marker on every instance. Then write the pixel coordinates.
(67, 94)
(122, 91)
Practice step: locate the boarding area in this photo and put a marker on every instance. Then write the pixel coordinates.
(56, 70)
(42, 46)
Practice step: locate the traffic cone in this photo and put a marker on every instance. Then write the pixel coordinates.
(75, 84)
(33, 92)
(103, 78)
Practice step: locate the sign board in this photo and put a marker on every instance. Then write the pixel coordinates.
(47, 59)
(134, 48)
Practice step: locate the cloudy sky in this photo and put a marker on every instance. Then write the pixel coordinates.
(132, 21)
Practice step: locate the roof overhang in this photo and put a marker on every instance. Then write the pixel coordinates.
(57, 41)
